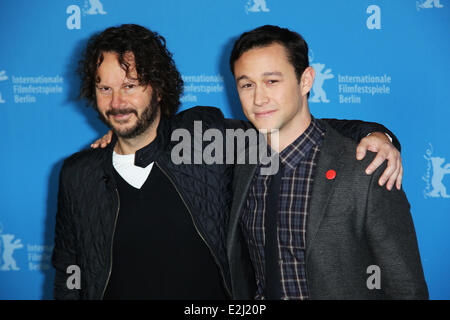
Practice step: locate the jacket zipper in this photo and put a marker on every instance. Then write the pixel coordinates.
(196, 229)
(112, 242)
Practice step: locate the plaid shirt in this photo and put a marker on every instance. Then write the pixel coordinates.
(298, 161)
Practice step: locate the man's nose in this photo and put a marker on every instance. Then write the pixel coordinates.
(260, 97)
(117, 100)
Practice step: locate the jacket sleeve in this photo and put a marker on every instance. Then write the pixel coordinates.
(392, 239)
(64, 252)
(357, 129)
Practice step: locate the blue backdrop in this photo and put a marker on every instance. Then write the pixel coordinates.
(384, 61)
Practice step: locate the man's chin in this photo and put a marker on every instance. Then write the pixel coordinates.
(123, 131)
(264, 124)
(266, 127)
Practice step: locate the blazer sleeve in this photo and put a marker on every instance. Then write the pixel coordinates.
(64, 252)
(392, 239)
(357, 129)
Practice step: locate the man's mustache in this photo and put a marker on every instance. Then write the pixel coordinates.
(114, 112)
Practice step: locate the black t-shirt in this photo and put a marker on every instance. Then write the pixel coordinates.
(157, 251)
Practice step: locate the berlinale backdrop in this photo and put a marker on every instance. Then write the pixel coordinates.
(376, 60)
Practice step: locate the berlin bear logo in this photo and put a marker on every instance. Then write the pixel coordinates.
(3, 75)
(7, 250)
(256, 6)
(428, 4)
(436, 171)
(96, 7)
(319, 93)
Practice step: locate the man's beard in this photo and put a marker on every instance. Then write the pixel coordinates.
(143, 122)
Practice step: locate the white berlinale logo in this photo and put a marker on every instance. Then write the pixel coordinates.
(95, 7)
(256, 6)
(436, 170)
(3, 77)
(428, 4)
(8, 246)
(91, 7)
(319, 94)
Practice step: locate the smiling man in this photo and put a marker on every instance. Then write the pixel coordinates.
(138, 226)
(316, 228)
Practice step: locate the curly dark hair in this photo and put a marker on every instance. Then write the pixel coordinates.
(154, 63)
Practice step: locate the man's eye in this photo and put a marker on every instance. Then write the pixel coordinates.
(103, 89)
(272, 81)
(130, 86)
(246, 85)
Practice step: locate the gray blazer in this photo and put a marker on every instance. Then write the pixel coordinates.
(352, 223)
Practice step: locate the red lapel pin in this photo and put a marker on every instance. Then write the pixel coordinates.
(331, 174)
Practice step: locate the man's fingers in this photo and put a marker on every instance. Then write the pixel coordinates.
(371, 143)
(392, 179)
(108, 136)
(395, 166)
(106, 139)
(394, 176)
(103, 141)
(399, 178)
(96, 144)
(379, 159)
(388, 172)
(393, 173)
(361, 151)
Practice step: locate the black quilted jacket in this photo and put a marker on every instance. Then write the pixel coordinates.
(88, 201)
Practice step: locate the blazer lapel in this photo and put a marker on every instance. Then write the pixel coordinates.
(323, 188)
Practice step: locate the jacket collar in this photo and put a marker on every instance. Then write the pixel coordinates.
(153, 150)
(149, 153)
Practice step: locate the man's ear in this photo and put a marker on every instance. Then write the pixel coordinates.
(307, 80)
(158, 96)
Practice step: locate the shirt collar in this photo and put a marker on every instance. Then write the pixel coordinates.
(291, 156)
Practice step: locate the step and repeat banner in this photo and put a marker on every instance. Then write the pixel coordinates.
(384, 61)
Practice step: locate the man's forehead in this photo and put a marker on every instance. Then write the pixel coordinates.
(127, 57)
(127, 64)
(267, 60)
